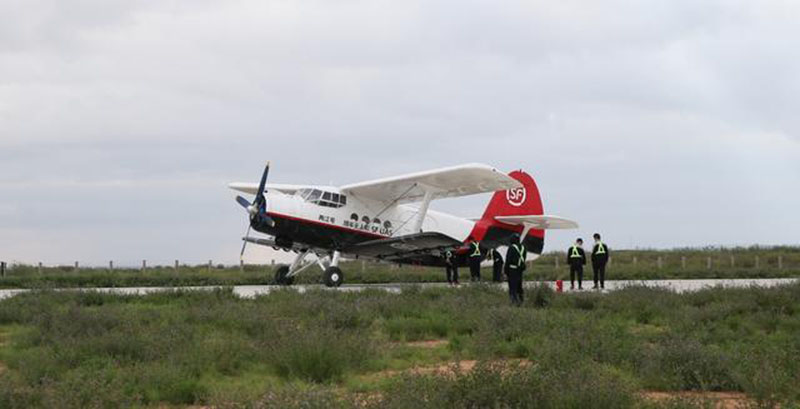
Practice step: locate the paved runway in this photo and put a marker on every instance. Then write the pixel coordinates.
(251, 291)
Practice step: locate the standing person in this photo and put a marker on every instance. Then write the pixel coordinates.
(516, 256)
(497, 266)
(474, 259)
(451, 267)
(576, 258)
(600, 254)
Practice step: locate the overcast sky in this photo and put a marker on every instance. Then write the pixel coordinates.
(659, 123)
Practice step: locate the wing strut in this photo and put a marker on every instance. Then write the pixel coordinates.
(423, 209)
(527, 228)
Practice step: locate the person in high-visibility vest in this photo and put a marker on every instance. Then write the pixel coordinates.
(475, 258)
(600, 255)
(516, 256)
(451, 267)
(576, 259)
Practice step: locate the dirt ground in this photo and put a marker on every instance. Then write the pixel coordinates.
(447, 369)
(721, 400)
(427, 344)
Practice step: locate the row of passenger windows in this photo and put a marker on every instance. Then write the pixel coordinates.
(336, 200)
(325, 199)
(376, 221)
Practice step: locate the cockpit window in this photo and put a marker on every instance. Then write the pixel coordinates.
(303, 193)
(314, 196)
(321, 198)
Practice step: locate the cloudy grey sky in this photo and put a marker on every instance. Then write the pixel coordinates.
(661, 124)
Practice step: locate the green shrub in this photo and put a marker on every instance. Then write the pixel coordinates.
(318, 354)
(494, 385)
(542, 295)
(585, 302)
(70, 349)
(685, 364)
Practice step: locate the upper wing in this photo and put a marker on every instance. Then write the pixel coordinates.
(252, 188)
(455, 181)
(539, 222)
(402, 247)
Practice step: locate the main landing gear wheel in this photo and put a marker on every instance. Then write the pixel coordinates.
(281, 276)
(333, 277)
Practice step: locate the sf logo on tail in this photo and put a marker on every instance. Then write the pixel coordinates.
(516, 197)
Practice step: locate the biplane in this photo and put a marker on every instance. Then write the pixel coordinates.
(390, 219)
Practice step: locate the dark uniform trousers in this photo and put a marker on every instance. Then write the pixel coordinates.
(515, 290)
(576, 269)
(452, 274)
(475, 268)
(599, 268)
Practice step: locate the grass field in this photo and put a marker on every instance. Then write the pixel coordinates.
(778, 262)
(347, 350)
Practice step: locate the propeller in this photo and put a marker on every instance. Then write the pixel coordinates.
(257, 209)
(244, 242)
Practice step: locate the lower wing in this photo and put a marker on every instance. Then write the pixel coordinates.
(404, 247)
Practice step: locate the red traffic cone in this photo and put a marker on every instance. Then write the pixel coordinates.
(559, 286)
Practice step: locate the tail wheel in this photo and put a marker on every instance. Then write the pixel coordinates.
(333, 277)
(281, 276)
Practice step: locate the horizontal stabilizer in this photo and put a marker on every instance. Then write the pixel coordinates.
(539, 222)
(420, 243)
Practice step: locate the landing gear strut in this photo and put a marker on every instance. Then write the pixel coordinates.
(285, 275)
(332, 274)
(282, 276)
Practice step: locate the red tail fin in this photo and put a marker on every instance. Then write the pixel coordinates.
(516, 202)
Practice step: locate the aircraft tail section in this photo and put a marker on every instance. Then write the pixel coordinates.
(521, 201)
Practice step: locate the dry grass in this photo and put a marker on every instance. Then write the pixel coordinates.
(432, 344)
(718, 400)
(452, 368)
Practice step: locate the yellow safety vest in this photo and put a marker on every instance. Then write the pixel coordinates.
(601, 248)
(575, 252)
(476, 251)
(522, 251)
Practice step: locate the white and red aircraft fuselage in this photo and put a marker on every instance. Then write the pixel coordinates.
(390, 220)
